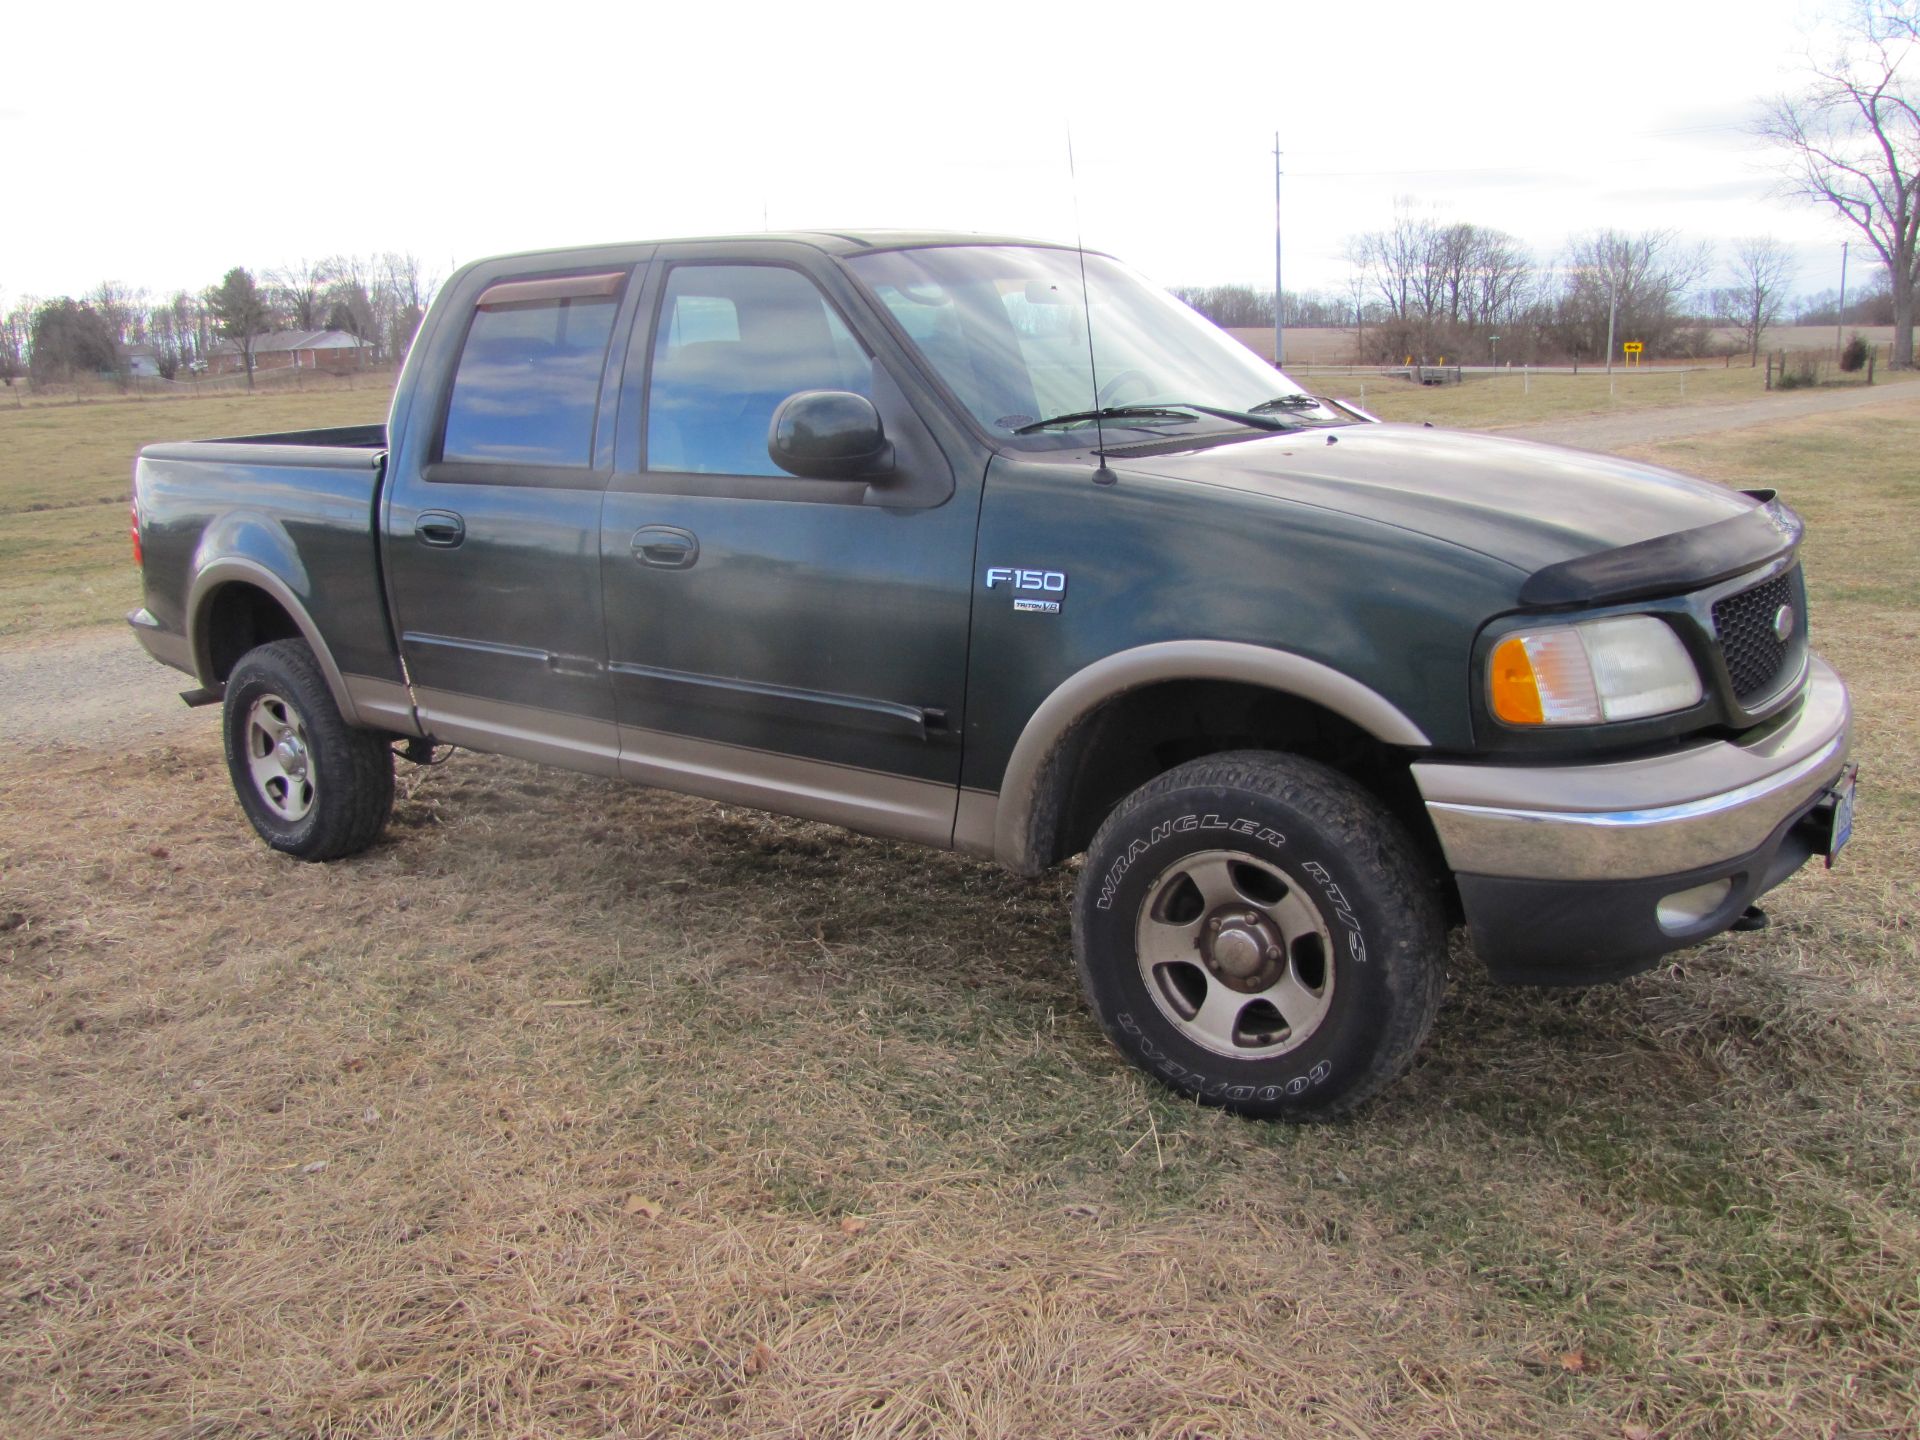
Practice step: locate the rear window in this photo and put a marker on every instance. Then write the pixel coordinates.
(529, 381)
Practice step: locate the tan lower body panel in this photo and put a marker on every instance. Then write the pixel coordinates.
(382, 704)
(896, 807)
(973, 823)
(573, 742)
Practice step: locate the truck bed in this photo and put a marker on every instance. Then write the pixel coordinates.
(354, 440)
(302, 506)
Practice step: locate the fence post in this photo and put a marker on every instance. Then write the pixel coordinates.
(1769, 369)
(1873, 353)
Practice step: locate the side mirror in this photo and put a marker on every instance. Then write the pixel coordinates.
(829, 435)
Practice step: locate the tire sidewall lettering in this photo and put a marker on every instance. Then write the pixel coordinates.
(1199, 1083)
(1189, 824)
(1211, 822)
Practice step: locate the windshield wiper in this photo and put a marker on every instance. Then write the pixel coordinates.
(1287, 402)
(1171, 410)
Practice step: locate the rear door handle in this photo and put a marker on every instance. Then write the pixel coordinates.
(440, 528)
(665, 546)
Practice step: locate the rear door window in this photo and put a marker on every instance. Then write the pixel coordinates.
(528, 383)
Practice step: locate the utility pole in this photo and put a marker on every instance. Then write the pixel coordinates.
(1841, 318)
(1279, 295)
(1613, 295)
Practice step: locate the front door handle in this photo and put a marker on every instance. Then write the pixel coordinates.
(440, 528)
(666, 547)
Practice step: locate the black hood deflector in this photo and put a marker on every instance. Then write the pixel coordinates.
(1668, 564)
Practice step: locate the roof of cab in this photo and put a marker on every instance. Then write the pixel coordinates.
(853, 242)
(831, 242)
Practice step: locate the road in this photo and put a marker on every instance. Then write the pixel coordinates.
(1646, 427)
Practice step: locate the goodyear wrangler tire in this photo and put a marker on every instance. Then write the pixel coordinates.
(1255, 931)
(311, 784)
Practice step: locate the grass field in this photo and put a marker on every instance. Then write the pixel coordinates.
(65, 472)
(1328, 345)
(65, 469)
(574, 1109)
(1491, 401)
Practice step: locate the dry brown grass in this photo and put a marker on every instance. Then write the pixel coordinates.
(575, 1109)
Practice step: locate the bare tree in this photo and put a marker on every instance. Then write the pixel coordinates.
(1622, 286)
(1852, 142)
(171, 327)
(122, 307)
(300, 290)
(402, 287)
(192, 328)
(1444, 289)
(350, 299)
(1763, 269)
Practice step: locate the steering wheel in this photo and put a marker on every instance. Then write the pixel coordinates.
(1119, 383)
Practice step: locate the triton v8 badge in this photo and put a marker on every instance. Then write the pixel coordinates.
(1049, 583)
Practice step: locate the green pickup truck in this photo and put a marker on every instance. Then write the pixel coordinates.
(994, 546)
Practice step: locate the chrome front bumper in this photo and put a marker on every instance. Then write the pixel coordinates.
(1633, 819)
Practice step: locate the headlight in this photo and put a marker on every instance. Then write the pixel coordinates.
(1624, 668)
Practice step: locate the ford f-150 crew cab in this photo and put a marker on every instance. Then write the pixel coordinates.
(992, 545)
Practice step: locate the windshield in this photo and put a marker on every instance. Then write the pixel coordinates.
(1006, 328)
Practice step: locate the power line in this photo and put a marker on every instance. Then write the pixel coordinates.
(1537, 167)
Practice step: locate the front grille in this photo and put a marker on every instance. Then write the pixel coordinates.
(1754, 652)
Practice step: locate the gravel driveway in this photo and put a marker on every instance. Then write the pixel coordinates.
(92, 688)
(1646, 427)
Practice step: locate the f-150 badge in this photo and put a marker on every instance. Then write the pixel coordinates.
(1044, 589)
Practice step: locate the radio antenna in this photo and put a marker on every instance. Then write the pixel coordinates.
(1101, 476)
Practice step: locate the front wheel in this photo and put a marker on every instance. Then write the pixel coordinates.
(311, 784)
(1255, 931)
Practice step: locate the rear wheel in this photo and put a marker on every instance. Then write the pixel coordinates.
(1254, 930)
(311, 784)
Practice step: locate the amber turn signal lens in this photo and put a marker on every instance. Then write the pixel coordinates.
(1515, 692)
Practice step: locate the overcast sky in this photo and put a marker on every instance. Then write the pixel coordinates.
(159, 145)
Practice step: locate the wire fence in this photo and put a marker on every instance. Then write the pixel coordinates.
(280, 379)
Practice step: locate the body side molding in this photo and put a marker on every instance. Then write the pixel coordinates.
(1085, 691)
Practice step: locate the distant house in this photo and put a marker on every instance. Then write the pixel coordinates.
(329, 350)
(142, 361)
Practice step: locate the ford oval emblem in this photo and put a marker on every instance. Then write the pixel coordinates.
(1783, 623)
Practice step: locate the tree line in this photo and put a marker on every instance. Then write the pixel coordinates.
(1467, 293)
(1848, 142)
(378, 299)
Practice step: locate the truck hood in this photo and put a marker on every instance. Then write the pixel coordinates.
(1527, 504)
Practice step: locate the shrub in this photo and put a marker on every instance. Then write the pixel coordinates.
(1854, 357)
(1797, 372)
